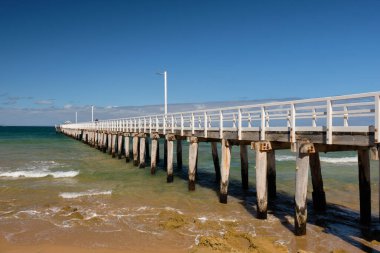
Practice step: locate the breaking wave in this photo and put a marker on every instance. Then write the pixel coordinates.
(73, 195)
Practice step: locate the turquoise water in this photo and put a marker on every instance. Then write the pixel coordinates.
(56, 189)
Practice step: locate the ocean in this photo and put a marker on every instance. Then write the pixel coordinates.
(58, 191)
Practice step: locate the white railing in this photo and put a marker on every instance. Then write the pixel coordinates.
(350, 113)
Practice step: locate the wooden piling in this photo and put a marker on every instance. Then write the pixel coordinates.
(170, 144)
(244, 166)
(261, 149)
(364, 186)
(109, 142)
(165, 154)
(119, 146)
(378, 157)
(319, 196)
(114, 145)
(179, 154)
(215, 159)
(271, 174)
(126, 148)
(225, 170)
(135, 144)
(147, 151)
(153, 160)
(142, 151)
(105, 142)
(193, 152)
(302, 168)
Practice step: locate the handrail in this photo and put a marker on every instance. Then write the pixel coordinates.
(329, 112)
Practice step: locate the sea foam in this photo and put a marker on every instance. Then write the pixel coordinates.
(73, 195)
(334, 160)
(39, 169)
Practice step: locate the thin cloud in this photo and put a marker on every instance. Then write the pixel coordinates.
(68, 106)
(44, 102)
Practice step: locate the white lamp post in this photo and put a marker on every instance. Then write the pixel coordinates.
(166, 90)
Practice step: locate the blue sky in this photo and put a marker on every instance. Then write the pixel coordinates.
(68, 54)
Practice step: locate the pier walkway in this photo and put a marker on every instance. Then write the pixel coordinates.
(307, 127)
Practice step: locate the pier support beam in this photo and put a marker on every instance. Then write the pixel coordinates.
(215, 159)
(261, 149)
(364, 187)
(135, 145)
(142, 151)
(193, 153)
(147, 151)
(225, 170)
(319, 196)
(119, 146)
(244, 166)
(170, 144)
(302, 168)
(378, 157)
(271, 174)
(126, 148)
(179, 154)
(153, 159)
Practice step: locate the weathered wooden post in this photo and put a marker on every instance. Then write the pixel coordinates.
(105, 143)
(165, 154)
(244, 166)
(114, 145)
(302, 168)
(119, 146)
(158, 150)
(135, 150)
(179, 154)
(153, 160)
(193, 152)
(271, 174)
(109, 148)
(378, 157)
(261, 149)
(147, 151)
(319, 196)
(170, 144)
(142, 150)
(126, 148)
(215, 159)
(225, 170)
(364, 186)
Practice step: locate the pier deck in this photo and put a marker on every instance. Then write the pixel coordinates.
(307, 127)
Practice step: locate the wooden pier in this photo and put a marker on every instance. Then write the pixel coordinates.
(307, 127)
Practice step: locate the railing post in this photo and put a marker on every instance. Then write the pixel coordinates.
(172, 123)
(262, 130)
(221, 124)
(150, 125)
(345, 117)
(205, 124)
(329, 119)
(157, 124)
(144, 125)
(292, 123)
(377, 118)
(182, 124)
(192, 123)
(314, 118)
(239, 123)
